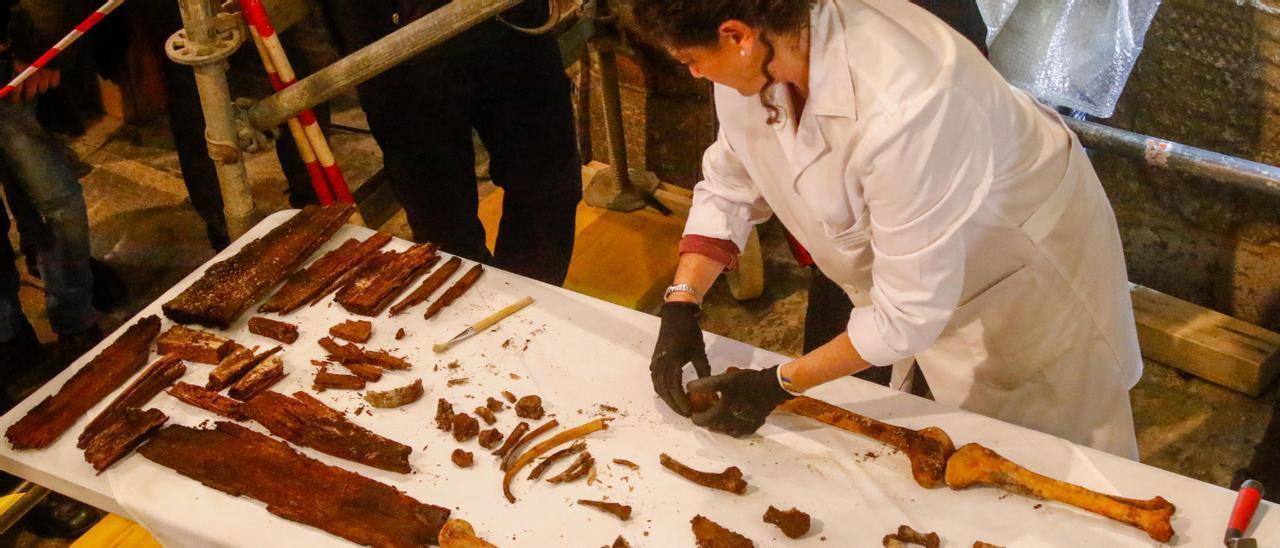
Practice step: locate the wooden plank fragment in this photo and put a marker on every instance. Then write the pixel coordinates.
(385, 278)
(128, 429)
(430, 285)
(208, 400)
(455, 291)
(235, 366)
(241, 462)
(230, 286)
(261, 377)
(272, 329)
(325, 380)
(306, 421)
(158, 376)
(312, 282)
(195, 345)
(357, 331)
(106, 372)
(1205, 343)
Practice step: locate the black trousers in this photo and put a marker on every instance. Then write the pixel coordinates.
(516, 96)
(310, 49)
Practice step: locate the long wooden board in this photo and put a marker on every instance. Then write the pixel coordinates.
(1210, 345)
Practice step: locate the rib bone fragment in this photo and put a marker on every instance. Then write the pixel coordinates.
(621, 511)
(974, 465)
(551, 443)
(729, 480)
(927, 449)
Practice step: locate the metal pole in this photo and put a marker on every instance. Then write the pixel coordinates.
(432, 29)
(1198, 162)
(205, 48)
(32, 495)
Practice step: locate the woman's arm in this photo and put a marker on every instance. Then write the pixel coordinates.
(833, 360)
(699, 272)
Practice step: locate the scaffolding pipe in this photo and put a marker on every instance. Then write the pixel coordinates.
(202, 40)
(430, 30)
(1193, 161)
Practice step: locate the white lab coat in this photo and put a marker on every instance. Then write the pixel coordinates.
(961, 216)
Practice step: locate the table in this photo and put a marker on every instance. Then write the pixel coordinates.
(580, 354)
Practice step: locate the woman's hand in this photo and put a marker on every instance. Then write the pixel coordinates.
(747, 396)
(679, 343)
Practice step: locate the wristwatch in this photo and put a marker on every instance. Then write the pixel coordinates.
(682, 288)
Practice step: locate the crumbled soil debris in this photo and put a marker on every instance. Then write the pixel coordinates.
(400, 333)
(456, 382)
(506, 343)
(454, 364)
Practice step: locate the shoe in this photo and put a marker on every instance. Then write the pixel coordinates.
(109, 291)
(61, 517)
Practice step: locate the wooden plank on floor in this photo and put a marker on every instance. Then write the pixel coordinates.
(1205, 343)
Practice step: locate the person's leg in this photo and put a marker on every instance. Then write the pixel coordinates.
(19, 346)
(526, 123)
(186, 122)
(42, 170)
(421, 117)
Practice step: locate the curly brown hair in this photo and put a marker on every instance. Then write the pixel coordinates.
(696, 23)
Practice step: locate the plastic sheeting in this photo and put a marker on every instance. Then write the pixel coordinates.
(1072, 53)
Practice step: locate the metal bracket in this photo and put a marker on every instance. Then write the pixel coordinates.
(229, 35)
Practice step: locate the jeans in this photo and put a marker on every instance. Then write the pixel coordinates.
(36, 172)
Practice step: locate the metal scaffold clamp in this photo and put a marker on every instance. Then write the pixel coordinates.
(228, 36)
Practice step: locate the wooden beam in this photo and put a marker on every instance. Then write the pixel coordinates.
(1205, 343)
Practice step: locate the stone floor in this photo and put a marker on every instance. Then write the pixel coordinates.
(144, 227)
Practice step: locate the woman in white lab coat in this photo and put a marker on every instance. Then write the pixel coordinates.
(961, 217)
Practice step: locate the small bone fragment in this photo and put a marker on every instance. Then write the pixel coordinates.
(980, 544)
(622, 511)
(357, 331)
(581, 466)
(208, 400)
(515, 450)
(974, 465)
(455, 291)
(490, 438)
(551, 459)
(529, 407)
(494, 405)
(194, 345)
(486, 414)
(457, 533)
(385, 360)
(516, 434)
(793, 523)
(456, 382)
(619, 543)
(729, 480)
(325, 380)
(396, 397)
(444, 415)
(400, 333)
(511, 398)
(429, 286)
(710, 534)
(465, 427)
(260, 378)
(464, 459)
(551, 443)
(907, 536)
(281, 331)
(627, 463)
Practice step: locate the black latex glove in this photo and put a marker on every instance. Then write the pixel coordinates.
(679, 343)
(747, 396)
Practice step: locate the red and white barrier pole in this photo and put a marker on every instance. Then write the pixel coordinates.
(318, 180)
(62, 44)
(256, 15)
